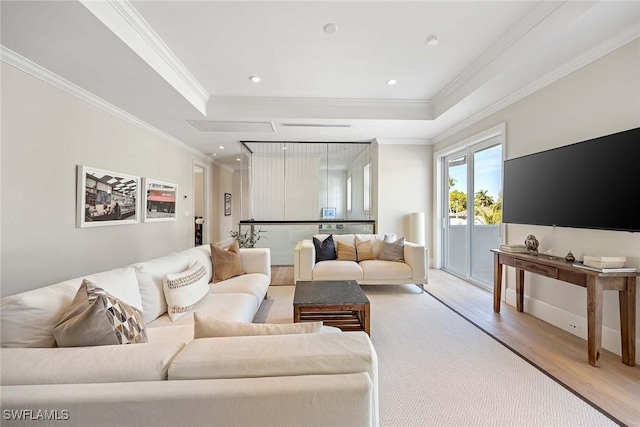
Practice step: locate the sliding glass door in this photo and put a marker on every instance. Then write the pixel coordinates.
(472, 211)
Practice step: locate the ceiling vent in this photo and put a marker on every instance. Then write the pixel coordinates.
(313, 125)
(232, 126)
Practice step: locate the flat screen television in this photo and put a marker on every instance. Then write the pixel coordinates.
(590, 184)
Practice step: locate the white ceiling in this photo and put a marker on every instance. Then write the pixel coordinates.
(173, 63)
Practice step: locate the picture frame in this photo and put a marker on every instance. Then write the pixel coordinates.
(227, 204)
(328, 213)
(160, 200)
(106, 198)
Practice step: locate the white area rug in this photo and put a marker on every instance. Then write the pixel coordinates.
(438, 369)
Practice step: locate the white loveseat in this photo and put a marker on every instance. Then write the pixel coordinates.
(414, 269)
(319, 379)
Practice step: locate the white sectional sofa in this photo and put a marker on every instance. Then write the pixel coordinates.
(315, 379)
(413, 270)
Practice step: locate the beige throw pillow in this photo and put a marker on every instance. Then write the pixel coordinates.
(226, 262)
(209, 327)
(346, 252)
(97, 318)
(365, 251)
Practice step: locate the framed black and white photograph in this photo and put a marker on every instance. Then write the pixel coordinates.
(159, 200)
(227, 204)
(106, 198)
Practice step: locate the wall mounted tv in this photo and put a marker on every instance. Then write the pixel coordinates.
(591, 184)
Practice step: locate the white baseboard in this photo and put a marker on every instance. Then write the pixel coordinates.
(561, 318)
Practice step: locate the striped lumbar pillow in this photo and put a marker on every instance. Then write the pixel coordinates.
(185, 291)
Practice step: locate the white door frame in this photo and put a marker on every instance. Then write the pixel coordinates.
(439, 165)
(205, 202)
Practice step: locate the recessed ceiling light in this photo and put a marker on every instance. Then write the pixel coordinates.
(330, 28)
(221, 147)
(212, 154)
(255, 79)
(432, 40)
(238, 159)
(392, 82)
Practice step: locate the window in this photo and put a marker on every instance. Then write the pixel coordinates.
(349, 194)
(367, 187)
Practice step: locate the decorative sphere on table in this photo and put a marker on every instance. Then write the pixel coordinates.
(532, 244)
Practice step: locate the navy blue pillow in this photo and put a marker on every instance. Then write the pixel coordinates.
(325, 250)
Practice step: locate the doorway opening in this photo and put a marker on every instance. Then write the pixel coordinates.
(199, 196)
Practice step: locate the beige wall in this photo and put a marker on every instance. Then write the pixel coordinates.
(599, 99)
(46, 133)
(404, 186)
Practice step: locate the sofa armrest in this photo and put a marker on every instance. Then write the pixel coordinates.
(256, 260)
(417, 257)
(311, 401)
(278, 356)
(304, 260)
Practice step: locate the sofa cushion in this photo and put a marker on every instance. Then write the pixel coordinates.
(226, 262)
(275, 355)
(348, 239)
(122, 283)
(337, 270)
(381, 270)
(346, 252)
(186, 290)
(150, 275)
(104, 364)
(392, 250)
(201, 254)
(325, 249)
(27, 319)
(255, 284)
(96, 317)
(224, 306)
(209, 327)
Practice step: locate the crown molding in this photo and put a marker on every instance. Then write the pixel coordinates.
(539, 14)
(11, 58)
(121, 17)
(403, 141)
(604, 48)
(319, 102)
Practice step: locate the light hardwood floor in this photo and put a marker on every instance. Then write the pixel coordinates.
(613, 387)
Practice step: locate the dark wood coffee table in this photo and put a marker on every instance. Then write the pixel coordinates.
(339, 303)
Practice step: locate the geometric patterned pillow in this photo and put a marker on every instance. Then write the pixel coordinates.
(96, 317)
(186, 290)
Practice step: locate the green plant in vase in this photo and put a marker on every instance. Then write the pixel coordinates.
(249, 237)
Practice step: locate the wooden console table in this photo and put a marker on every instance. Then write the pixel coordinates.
(595, 282)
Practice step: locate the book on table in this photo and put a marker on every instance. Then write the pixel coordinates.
(513, 248)
(604, 261)
(606, 270)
